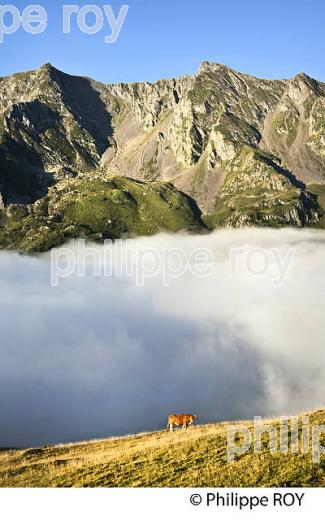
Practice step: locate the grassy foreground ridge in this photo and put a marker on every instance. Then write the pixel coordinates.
(192, 458)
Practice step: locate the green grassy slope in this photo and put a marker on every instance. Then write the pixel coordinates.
(192, 458)
(97, 208)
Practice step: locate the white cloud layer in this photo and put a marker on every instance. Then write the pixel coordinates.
(99, 357)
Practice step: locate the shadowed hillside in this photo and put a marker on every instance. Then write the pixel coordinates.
(192, 458)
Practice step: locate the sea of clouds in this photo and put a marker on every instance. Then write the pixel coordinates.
(101, 356)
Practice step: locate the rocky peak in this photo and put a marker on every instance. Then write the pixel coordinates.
(301, 87)
(301, 76)
(208, 66)
(47, 66)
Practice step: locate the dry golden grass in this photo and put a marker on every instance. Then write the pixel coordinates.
(192, 458)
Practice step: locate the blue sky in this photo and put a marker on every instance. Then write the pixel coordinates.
(160, 39)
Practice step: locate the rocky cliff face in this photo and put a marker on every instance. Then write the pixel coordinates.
(245, 149)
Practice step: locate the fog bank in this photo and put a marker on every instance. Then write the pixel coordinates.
(95, 357)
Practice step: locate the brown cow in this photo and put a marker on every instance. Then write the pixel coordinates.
(180, 419)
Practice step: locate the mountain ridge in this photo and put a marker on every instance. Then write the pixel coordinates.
(197, 133)
(202, 65)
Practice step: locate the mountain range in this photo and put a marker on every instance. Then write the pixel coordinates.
(220, 148)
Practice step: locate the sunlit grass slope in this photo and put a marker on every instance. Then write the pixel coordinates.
(192, 458)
